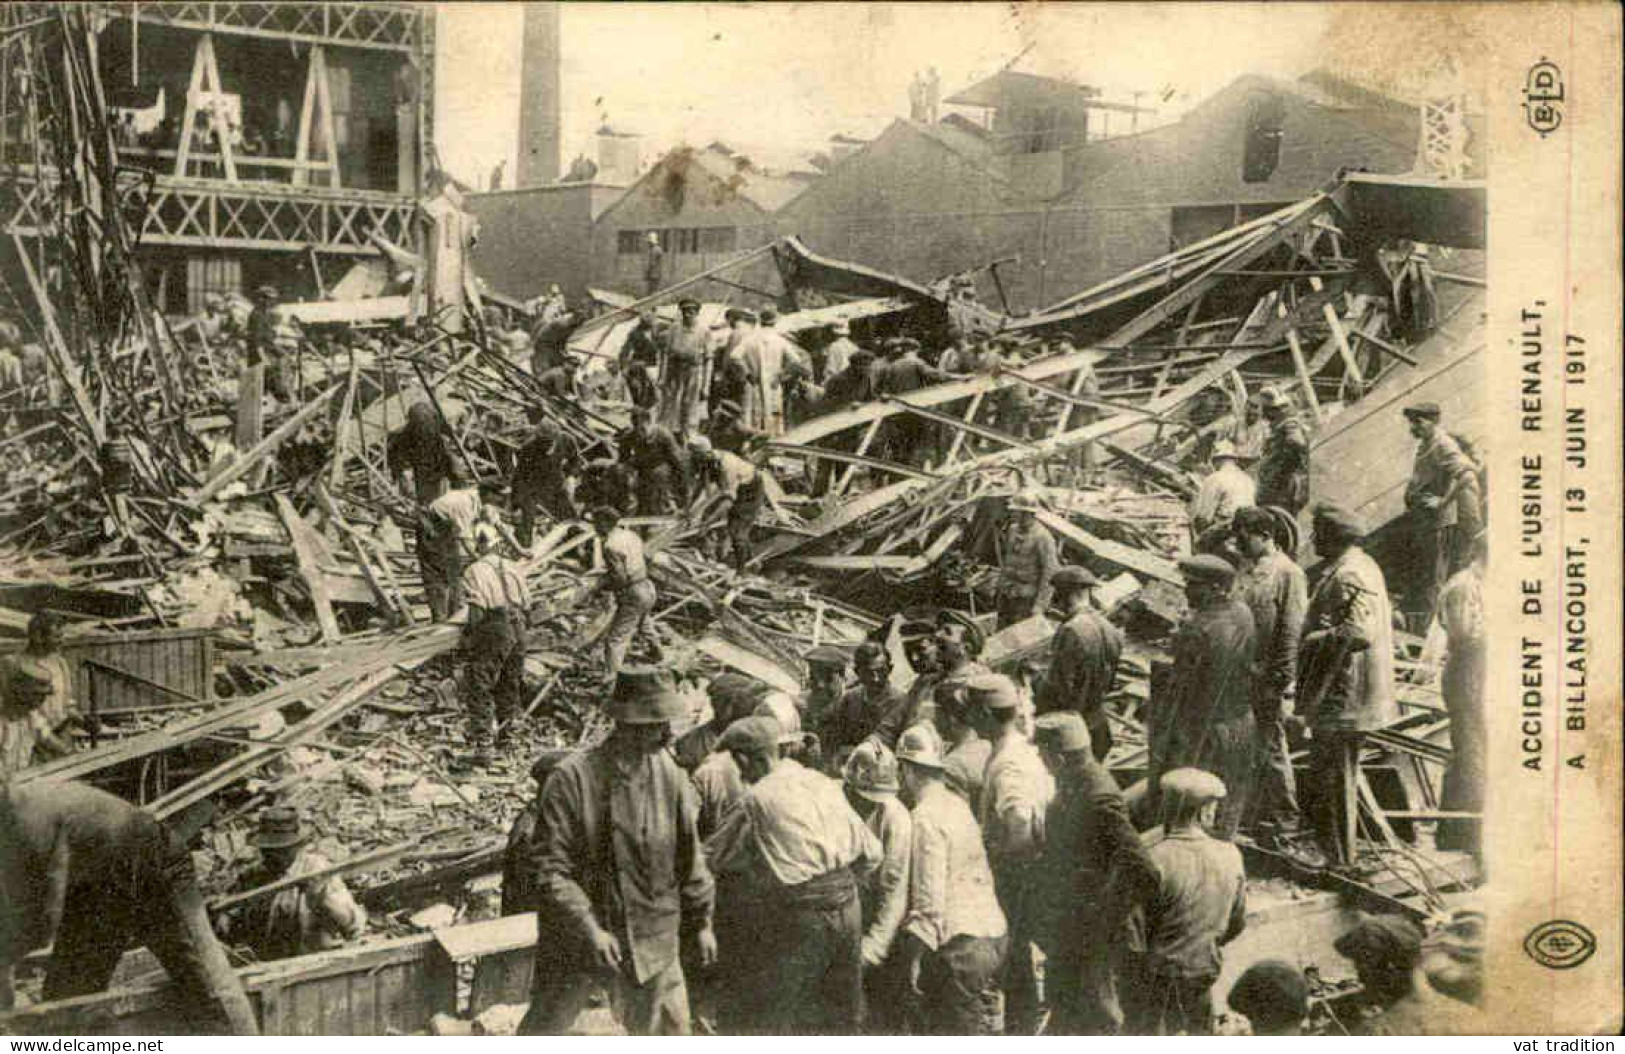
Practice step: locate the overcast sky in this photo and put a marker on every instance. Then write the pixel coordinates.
(777, 78)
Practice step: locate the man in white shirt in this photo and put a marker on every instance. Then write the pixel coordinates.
(447, 540)
(1223, 491)
(494, 641)
(626, 579)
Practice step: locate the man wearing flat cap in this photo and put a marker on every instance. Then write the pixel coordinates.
(1205, 718)
(622, 873)
(1345, 671)
(1283, 470)
(826, 685)
(1386, 951)
(801, 850)
(1200, 905)
(1016, 790)
(682, 369)
(907, 436)
(1090, 874)
(1031, 558)
(1443, 497)
(1083, 657)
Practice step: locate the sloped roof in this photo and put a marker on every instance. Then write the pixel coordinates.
(1008, 86)
(768, 193)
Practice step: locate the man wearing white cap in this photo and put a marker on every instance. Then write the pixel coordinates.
(871, 780)
(838, 352)
(742, 488)
(1223, 491)
(954, 936)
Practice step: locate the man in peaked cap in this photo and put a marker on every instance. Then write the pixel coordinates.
(682, 369)
(1283, 468)
(954, 936)
(303, 918)
(1091, 872)
(821, 702)
(1443, 497)
(1200, 904)
(1032, 557)
(872, 783)
(1016, 791)
(1205, 718)
(1083, 657)
(802, 850)
(622, 872)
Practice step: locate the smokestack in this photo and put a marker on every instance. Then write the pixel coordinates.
(539, 97)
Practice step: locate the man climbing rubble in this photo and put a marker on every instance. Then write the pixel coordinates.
(446, 540)
(622, 876)
(541, 479)
(90, 874)
(1282, 471)
(626, 580)
(494, 641)
(743, 493)
(655, 458)
(309, 917)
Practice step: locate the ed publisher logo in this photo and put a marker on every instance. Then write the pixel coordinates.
(1543, 97)
(1560, 944)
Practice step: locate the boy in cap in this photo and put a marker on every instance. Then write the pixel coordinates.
(301, 919)
(1016, 791)
(1345, 672)
(1083, 657)
(802, 848)
(1199, 905)
(1091, 872)
(871, 781)
(954, 935)
(621, 872)
(1205, 719)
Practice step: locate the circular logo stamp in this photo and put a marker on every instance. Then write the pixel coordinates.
(1560, 944)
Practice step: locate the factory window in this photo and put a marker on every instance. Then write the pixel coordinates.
(684, 241)
(1262, 151)
(718, 239)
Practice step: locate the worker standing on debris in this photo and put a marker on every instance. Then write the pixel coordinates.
(871, 781)
(262, 345)
(803, 847)
(838, 352)
(1461, 682)
(1276, 591)
(622, 874)
(1083, 658)
(446, 540)
(639, 360)
(422, 448)
(1442, 496)
(742, 489)
(954, 936)
(541, 479)
(1283, 470)
(37, 709)
(494, 641)
(1016, 792)
(1199, 905)
(1223, 491)
(1345, 671)
(656, 460)
(90, 874)
(626, 580)
(1206, 720)
(1030, 561)
(309, 917)
(1091, 872)
(682, 372)
(726, 432)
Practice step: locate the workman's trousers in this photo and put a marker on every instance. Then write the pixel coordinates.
(632, 607)
(886, 999)
(440, 559)
(1160, 1005)
(1462, 684)
(155, 903)
(493, 680)
(808, 977)
(1330, 790)
(657, 1007)
(959, 983)
(1275, 787)
(1020, 976)
(1080, 986)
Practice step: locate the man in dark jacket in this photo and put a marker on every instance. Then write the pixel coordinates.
(1090, 875)
(1083, 658)
(1283, 470)
(91, 874)
(422, 448)
(541, 475)
(1205, 719)
(863, 709)
(656, 460)
(621, 872)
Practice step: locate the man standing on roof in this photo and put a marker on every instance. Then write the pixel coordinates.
(622, 874)
(954, 936)
(494, 640)
(626, 579)
(1276, 591)
(1199, 905)
(653, 454)
(1206, 719)
(1283, 471)
(310, 917)
(1345, 671)
(870, 777)
(1092, 872)
(743, 493)
(541, 479)
(1442, 496)
(1016, 792)
(90, 875)
(654, 264)
(1223, 491)
(1083, 658)
(1030, 561)
(804, 849)
(682, 370)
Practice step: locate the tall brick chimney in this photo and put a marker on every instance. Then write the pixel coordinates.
(539, 97)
